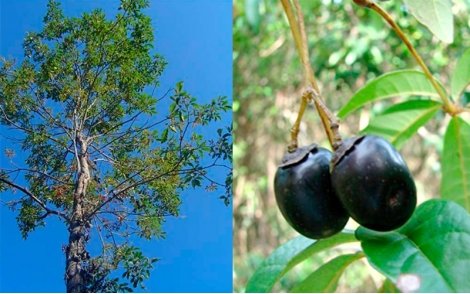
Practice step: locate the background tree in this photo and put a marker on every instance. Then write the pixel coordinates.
(103, 154)
(349, 46)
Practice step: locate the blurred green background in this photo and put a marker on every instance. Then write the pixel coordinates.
(349, 46)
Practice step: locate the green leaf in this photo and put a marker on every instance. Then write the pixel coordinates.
(285, 257)
(401, 121)
(164, 136)
(429, 254)
(461, 75)
(455, 184)
(173, 107)
(179, 86)
(436, 15)
(397, 83)
(29, 217)
(325, 278)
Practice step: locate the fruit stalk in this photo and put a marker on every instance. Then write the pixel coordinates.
(449, 107)
(329, 121)
(294, 132)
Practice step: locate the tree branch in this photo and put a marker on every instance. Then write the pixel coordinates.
(38, 172)
(28, 130)
(35, 199)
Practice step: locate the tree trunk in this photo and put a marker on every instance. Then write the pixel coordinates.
(76, 254)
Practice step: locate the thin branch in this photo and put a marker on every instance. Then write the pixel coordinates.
(28, 130)
(35, 199)
(101, 238)
(54, 121)
(105, 227)
(133, 118)
(100, 151)
(164, 95)
(38, 172)
(213, 182)
(115, 194)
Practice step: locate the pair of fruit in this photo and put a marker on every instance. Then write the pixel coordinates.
(369, 181)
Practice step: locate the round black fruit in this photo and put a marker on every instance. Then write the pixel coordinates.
(373, 183)
(305, 196)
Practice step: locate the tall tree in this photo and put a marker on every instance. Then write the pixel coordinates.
(102, 153)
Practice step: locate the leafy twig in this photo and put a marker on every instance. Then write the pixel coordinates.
(449, 106)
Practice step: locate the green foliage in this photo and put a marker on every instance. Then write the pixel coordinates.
(461, 75)
(223, 148)
(428, 254)
(436, 15)
(289, 255)
(82, 94)
(29, 217)
(398, 83)
(455, 183)
(135, 269)
(136, 266)
(432, 249)
(325, 279)
(400, 122)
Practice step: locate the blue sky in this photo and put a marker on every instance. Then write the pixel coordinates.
(195, 38)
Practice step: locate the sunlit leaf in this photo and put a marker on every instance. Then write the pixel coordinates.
(429, 254)
(179, 86)
(400, 122)
(164, 137)
(436, 15)
(398, 83)
(325, 279)
(287, 256)
(461, 75)
(455, 184)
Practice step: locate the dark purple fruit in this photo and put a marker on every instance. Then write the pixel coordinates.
(373, 183)
(305, 196)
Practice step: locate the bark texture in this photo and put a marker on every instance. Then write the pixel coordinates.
(76, 254)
